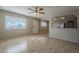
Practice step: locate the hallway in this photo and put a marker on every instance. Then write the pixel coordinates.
(40, 43)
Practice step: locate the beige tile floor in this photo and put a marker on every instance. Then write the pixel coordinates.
(37, 44)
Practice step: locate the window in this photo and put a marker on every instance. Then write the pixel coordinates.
(14, 23)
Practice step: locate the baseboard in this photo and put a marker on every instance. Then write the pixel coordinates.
(65, 39)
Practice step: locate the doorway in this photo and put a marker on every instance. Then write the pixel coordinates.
(44, 27)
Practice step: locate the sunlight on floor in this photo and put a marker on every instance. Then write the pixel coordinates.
(38, 38)
(18, 48)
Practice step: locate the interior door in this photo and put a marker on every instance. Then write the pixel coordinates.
(35, 26)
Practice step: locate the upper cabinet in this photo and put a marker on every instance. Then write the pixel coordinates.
(66, 21)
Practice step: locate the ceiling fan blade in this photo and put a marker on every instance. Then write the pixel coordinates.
(41, 12)
(31, 9)
(40, 9)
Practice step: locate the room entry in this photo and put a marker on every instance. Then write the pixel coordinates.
(44, 27)
(36, 26)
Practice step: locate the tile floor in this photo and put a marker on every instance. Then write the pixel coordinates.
(37, 44)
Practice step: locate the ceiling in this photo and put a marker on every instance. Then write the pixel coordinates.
(49, 10)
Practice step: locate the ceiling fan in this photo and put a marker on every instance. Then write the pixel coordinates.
(36, 11)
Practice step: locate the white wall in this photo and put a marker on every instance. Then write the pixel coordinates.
(77, 20)
(65, 33)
